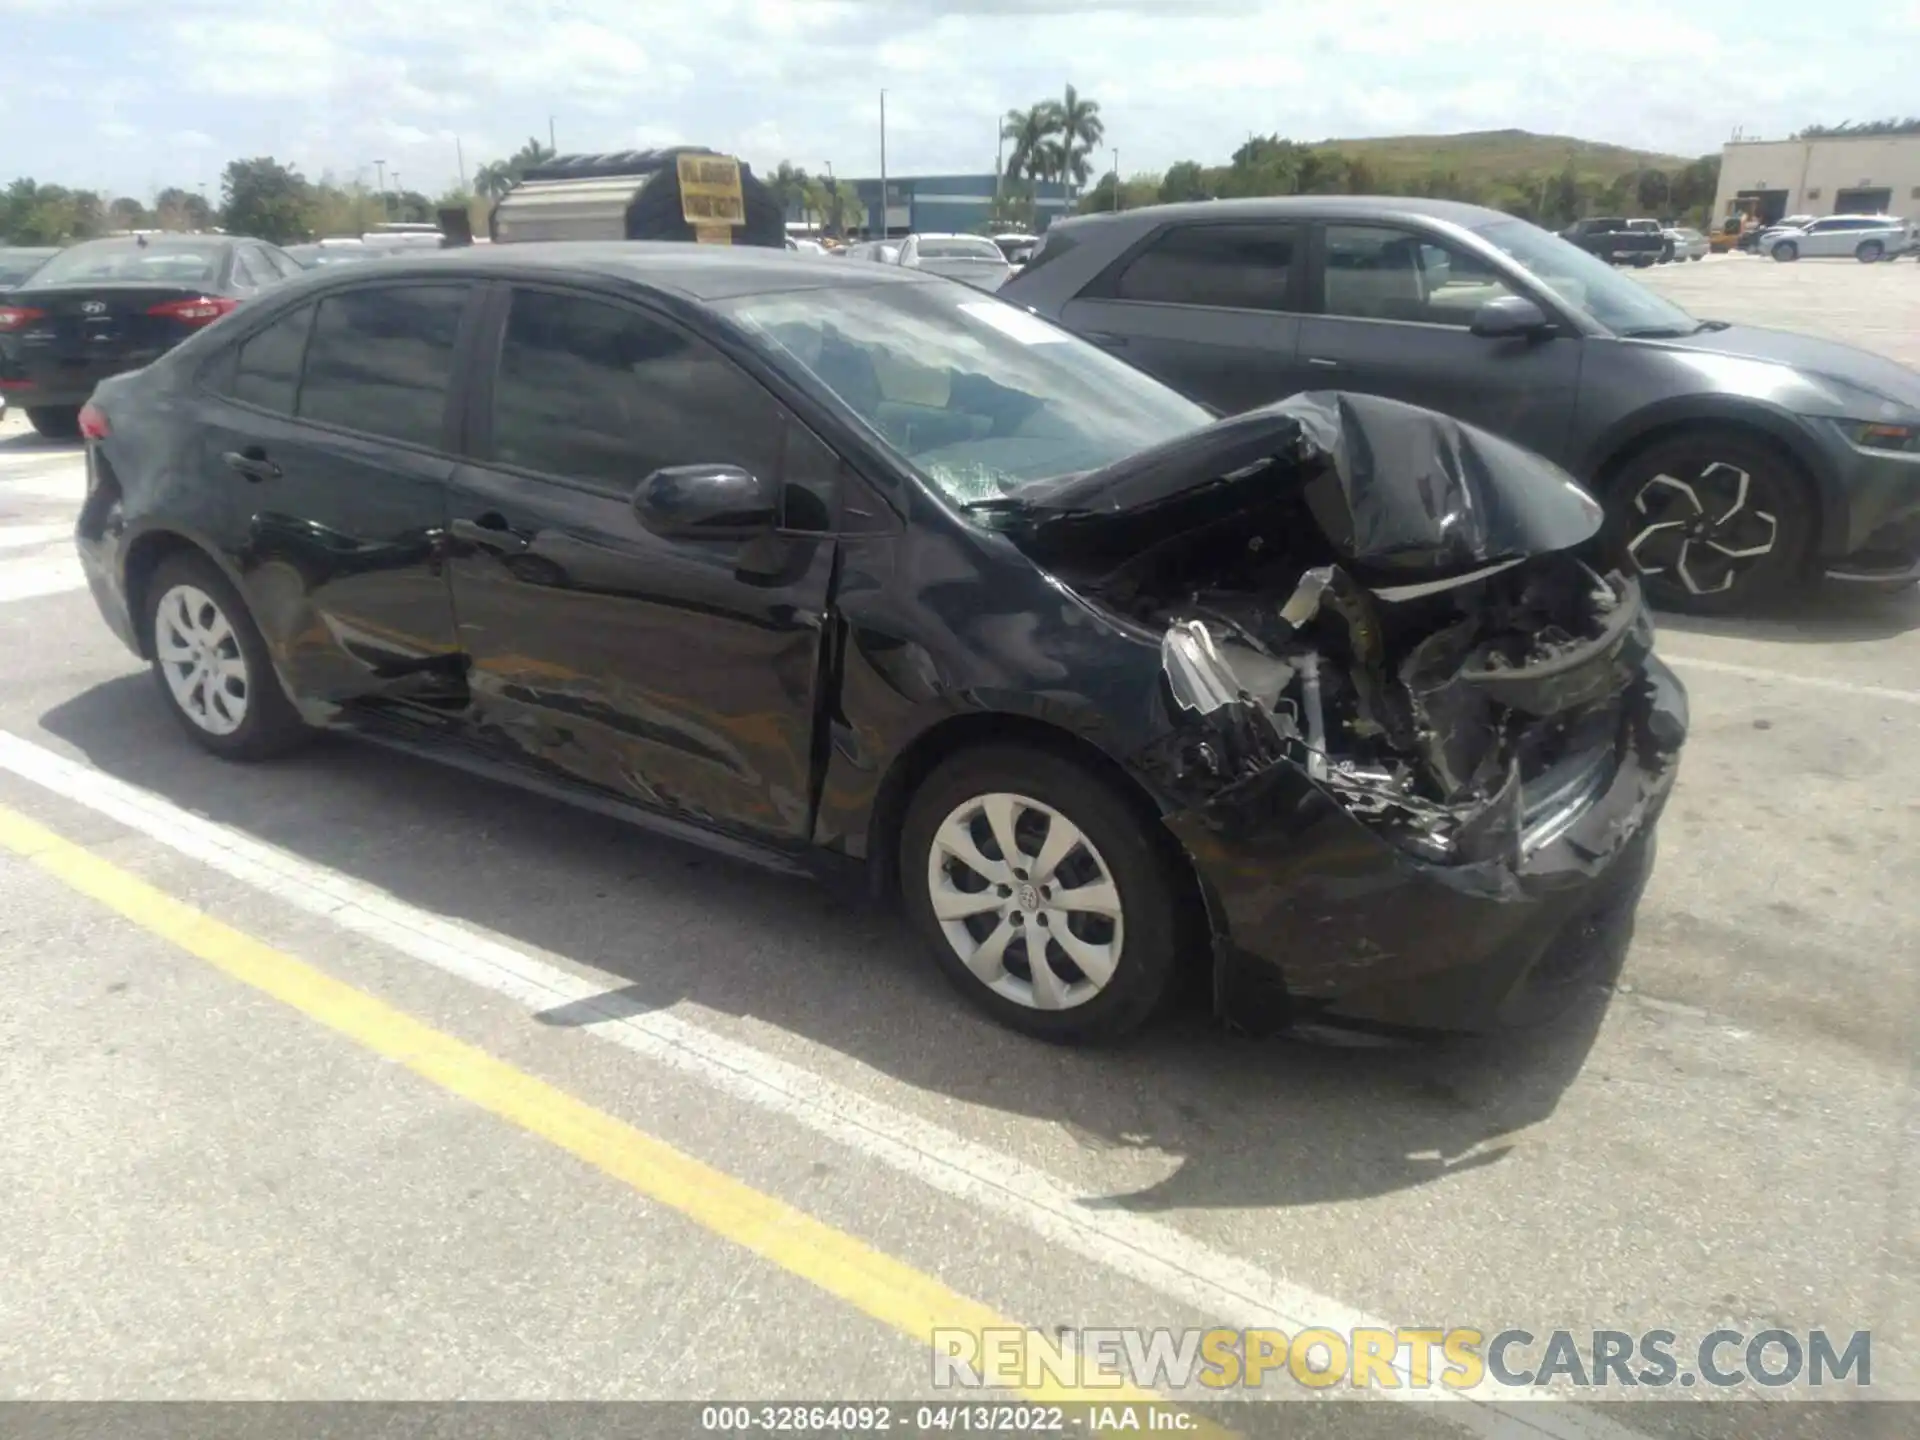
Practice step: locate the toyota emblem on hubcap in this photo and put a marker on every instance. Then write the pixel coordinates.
(1029, 898)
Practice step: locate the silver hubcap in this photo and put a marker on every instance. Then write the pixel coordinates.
(1026, 901)
(201, 659)
(1701, 532)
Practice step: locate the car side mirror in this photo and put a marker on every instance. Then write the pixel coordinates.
(707, 502)
(1509, 316)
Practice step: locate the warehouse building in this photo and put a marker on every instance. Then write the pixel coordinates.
(950, 204)
(1830, 175)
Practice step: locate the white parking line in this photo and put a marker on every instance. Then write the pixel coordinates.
(1228, 1289)
(1788, 677)
(25, 537)
(32, 578)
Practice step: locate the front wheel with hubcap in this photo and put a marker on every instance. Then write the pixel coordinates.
(1041, 893)
(1713, 521)
(212, 666)
(1786, 250)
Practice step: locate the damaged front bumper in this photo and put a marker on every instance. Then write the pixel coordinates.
(1326, 911)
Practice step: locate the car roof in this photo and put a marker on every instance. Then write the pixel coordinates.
(701, 272)
(1282, 207)
(157, 242)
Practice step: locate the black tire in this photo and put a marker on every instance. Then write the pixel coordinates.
(1870, 252)
(56, 422)
(1696, 257)
(1785, 251)
(270, 725)
(1774, 489)
(1643, 262)
(1149, 928)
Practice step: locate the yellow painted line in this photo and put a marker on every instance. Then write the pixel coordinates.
(872, 1282)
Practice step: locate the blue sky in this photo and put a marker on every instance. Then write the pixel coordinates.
(129, 95)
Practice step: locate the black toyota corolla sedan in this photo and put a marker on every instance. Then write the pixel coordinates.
(107, 306)
(853, 566)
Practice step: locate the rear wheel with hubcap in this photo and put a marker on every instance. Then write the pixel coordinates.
(1044, 898)
(212, 666)
(1714, 521)
(1870, 251)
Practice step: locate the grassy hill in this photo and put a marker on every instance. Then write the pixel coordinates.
(1489, 155)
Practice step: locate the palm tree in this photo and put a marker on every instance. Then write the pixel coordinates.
(1076, 120)
(791, 186)
(1027, 131)
(494, 179)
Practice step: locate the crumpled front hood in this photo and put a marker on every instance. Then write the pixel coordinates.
(1393, 487)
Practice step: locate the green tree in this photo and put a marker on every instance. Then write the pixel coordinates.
(791, 186)
(837, 203)
(493, 179)
(127, 213)
(177, 209)
(1079, 128)
(267, 200)
(1184, 180)
(1652, 190)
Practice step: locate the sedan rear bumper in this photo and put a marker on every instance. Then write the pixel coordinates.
(1322, 920)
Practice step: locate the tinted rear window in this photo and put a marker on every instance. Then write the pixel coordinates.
(1235, 267)
(959, 250)
(120, 260)
(380, 360)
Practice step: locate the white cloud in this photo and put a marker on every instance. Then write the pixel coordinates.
(329, 83)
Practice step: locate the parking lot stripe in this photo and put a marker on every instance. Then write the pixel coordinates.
(1221, 1286)
(873, 1282)
(1788, 677)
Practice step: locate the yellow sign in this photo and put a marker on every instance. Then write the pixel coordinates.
(713, 235)
(710, 191)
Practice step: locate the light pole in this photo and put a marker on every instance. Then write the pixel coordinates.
(380, 169)
(552, 144)
(883, 165)
(1116, 178)
(833, 196)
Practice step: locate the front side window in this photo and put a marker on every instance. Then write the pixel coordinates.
(266, 370)
(1234, 267)
(590, 390)
(380, 360)
(1586, 283)
(1378, 272)
(977, 396)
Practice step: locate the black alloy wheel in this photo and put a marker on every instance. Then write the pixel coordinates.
(1714, 522)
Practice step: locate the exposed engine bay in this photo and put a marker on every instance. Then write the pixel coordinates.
(1361, 604)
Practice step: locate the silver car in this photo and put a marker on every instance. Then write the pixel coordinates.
(973, 259)
(1685, 243)
(1865, 237)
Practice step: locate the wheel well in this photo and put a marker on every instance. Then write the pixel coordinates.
(964, 732)
(142, 560)
(1607, 474)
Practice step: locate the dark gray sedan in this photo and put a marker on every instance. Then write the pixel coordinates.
(1734, 461)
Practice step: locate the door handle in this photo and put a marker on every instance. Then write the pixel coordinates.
(253, 463)
(1320, 362)
(1107, 341)
(491, 532)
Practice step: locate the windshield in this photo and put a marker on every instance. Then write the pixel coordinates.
(979, 397)
(122, 261)
(960, 250)
(1586, 283)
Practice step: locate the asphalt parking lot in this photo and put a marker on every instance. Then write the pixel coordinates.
(354, 1077)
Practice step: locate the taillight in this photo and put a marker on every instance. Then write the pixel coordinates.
(18, 317)
(93, 422)
(201, 310)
